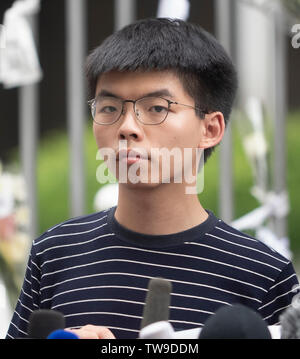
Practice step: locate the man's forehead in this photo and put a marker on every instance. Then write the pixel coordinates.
(156, 82)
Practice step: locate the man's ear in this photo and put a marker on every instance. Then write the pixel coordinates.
(213, 128)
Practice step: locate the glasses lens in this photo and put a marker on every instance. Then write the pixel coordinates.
(152, 110)
(106, 110)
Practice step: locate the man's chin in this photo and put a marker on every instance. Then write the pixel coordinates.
(140, 185)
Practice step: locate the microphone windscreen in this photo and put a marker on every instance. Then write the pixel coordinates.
(44, 321)
(157, 330)
(157, 302)
(62, 334)
(290, 323)
(235, 322)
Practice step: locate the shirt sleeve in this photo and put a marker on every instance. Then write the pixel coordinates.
(280, 295)
(29, 299)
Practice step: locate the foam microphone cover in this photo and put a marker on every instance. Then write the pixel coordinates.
(157, 302)
(44, 321)
(235, 322)
(290, 323)
(62, 334)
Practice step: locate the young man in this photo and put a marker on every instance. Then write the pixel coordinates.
(156, 84)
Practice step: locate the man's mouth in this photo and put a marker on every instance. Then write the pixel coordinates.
(131, 156)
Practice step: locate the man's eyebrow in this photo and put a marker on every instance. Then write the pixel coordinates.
(106, 93)
(157, 93)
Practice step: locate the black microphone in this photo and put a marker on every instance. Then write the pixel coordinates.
(290, 323)
(235, 322)
(42, 322)
(157, 302)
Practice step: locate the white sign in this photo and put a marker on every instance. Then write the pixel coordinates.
(19, 63)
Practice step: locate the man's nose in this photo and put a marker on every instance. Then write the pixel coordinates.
(129, 124)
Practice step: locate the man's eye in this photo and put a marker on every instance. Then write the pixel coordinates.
(158, 109)
(108, 109)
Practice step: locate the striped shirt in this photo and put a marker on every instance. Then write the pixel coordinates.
(96, 271)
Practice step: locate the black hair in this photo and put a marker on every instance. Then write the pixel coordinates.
(201, 63)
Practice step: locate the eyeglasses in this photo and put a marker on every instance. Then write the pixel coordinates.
(149, 110)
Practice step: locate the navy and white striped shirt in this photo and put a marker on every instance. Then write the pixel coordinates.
(96, 271)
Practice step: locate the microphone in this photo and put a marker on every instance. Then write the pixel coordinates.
(164, 330)
(155, 323)
(44, 321)
(62, 334)
(157, 302)
(290, 323)
(157, 330)
(235, 322)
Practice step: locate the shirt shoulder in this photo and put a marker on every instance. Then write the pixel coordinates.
(243, 244)
(72, 231)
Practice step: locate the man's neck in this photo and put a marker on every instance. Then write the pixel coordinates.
(161, 210)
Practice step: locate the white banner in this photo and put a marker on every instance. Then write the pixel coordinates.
(19, 63)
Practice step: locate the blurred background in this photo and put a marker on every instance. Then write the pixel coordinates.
(47, 150)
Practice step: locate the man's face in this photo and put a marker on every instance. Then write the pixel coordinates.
(181, 129)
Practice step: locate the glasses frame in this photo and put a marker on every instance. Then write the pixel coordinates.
(91, 103)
